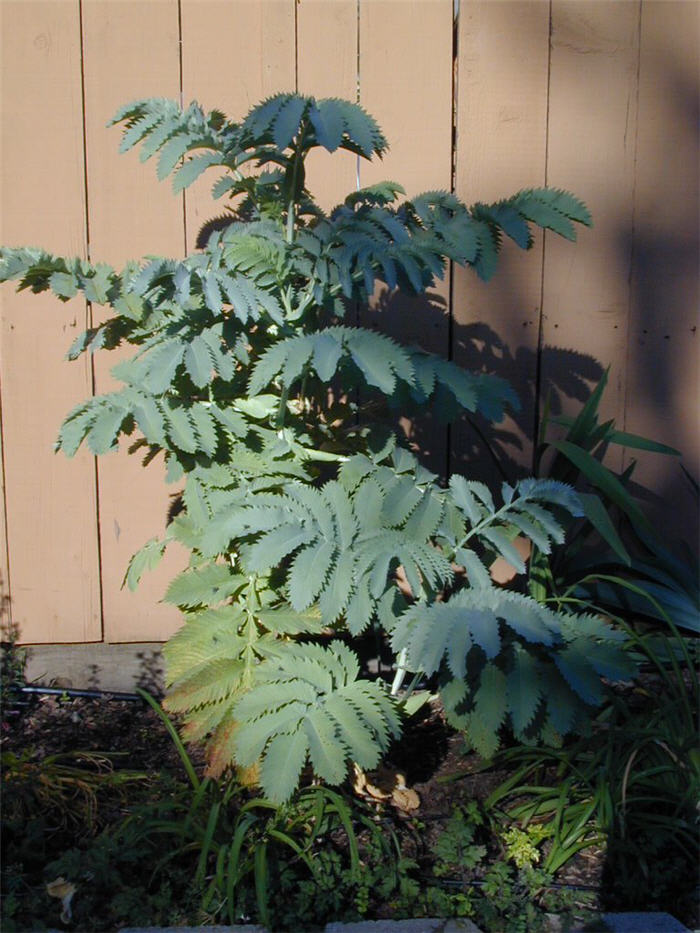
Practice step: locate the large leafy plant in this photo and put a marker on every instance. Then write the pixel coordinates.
(307, 518)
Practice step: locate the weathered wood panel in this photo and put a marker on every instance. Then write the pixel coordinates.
(406, 84)
(50, 501)
(501, 148)
(327, 44)
(233, 55)
(607, 110)
(5, 593)
(131, 214)
(592, 127)
(662, 385)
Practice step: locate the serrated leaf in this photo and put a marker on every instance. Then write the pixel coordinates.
(146, 558)
(276, 545)
(327, 121)
(308, 573)
(280, 769)
(150, 420)
(64, 284)
(327, 755)
(504, 547)
(104, 431)
(286, 123)
(482, 625)
(75, 427)
(192, 169)
(464, 499)
(326, 355)
(371, 360)
(205, 426)
(490, 699)
(580, 675)
(198, 362)
(361, 744)
(203, 585)
(523, 689)
(161, 365)
(180, 427)
(527, 618)
(98, 284)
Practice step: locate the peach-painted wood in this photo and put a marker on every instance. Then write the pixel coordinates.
(501, 148)
(131, 214)
(406, 84)
(233, 55)
(5, 595)
(591, 148)
(51, 501)
(608, 113)
(662, 388)
(327, 67)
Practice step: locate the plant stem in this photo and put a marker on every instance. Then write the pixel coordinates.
(291, 206)
(282, 408)
(401, 671)
(412, 686)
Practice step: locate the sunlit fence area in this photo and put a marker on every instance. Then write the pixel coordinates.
(479, 98)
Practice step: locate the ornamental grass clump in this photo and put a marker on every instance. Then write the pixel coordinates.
(307, 518)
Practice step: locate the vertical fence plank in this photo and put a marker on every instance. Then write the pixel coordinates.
(131, 52)
(406, 84)
(233, 55)
(5, 595)
(327, 67)
(662, 373)
(501, 144)
(51, 502)
(592, 123)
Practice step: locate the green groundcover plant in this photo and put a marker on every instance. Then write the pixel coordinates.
(307, 518)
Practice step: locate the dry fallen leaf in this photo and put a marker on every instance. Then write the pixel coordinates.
(385, 784)
(64, 891)
(405, 799)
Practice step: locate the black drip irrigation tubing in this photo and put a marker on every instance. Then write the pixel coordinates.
(74, 694)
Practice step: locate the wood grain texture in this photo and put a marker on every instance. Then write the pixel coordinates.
(233, 56)
(610, 113)
(406, 84)
(5, 592)
(501, 148)
(327, 42)
(662, 385)
(51, 501)
(131, 214)
(592, 127)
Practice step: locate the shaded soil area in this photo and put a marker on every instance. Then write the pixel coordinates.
(431, 757)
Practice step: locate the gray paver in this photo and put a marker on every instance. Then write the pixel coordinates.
(421, 925)
(643, 923)
(615, 922)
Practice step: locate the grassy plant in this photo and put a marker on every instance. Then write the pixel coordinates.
(233, 838)
(13, 660)
(64, 786)
(613, 560)
(57, 807)
(632, 784)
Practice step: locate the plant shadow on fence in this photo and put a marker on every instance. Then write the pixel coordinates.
(476, 446)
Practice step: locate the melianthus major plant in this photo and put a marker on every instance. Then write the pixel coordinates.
(304, 513)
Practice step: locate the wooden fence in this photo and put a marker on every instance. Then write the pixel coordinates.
(596, 97)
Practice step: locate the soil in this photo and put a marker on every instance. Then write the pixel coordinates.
(431, 756)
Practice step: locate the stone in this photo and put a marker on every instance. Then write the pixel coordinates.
(629, 922)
